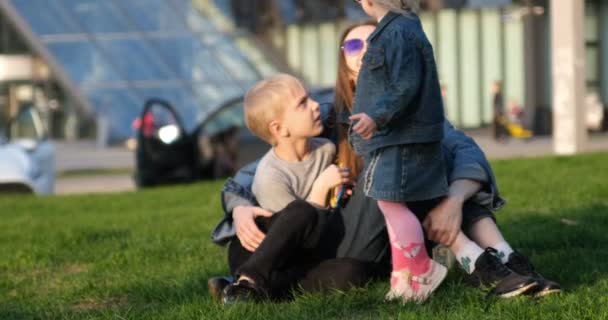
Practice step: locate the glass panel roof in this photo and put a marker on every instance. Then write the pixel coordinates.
(193, 18)
(184, 55)
(83, 63)
(120, 106)
(97, 16)
(119, 53)
(45, 17)
(135, 60)
(161, 15)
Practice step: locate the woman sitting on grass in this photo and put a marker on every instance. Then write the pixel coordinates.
(466, 227)
(357, 228)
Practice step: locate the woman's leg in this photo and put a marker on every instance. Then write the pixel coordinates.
(485, 233)
(319, 275)
(466, 252)
(335, 274)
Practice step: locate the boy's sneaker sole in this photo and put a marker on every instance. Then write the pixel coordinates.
(522, 265)
(519, 291)
(243, 291)
(216, 286)
(544, 293)
(547, 287)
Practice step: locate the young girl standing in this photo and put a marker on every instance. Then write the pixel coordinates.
(397, 125)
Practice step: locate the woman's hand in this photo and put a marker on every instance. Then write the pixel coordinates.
(365, 126)
(247, 231)
(444, 222)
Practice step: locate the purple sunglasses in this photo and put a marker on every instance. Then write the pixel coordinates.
(353, 46)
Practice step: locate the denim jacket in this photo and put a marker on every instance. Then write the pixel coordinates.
(398, 86)
(465, 160)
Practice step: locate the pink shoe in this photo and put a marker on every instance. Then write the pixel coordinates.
(400, 285)
(408, 287)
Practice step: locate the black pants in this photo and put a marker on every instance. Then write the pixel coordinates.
(290, 255)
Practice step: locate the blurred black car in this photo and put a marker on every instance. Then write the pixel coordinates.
(167, 154)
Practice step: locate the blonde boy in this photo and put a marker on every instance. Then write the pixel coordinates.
(292, 181)
(299, 166)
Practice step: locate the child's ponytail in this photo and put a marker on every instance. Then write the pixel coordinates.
(403, 7)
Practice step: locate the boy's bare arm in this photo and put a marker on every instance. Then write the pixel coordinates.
(330, 178)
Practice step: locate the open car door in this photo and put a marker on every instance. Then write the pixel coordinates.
(165, 153)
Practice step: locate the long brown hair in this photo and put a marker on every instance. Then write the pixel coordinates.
(344, 96)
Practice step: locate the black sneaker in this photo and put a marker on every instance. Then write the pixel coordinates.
(522, 265)
(243, 291)
(217, 285)
(492, 274)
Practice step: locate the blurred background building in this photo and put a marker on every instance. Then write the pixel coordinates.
(89, 65)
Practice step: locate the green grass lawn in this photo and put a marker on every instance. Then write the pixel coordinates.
(147, 255)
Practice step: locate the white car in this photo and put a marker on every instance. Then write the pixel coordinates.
(27, 157)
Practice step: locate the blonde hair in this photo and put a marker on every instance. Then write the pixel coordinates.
(265, 102)
(403, 7)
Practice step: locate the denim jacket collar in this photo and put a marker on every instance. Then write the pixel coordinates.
(390, 16)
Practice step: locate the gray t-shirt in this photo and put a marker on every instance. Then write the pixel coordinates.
(278, 182)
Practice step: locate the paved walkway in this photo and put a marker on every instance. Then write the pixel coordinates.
(84, 155)
(94, 184)
(535, 147)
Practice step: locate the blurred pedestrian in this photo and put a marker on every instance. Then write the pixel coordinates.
(499, 121)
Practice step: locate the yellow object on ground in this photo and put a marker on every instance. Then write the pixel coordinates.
(515, 130)
(518, 131)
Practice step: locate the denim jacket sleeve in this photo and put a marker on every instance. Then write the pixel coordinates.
(469, 162)
(404, 74)
(236, 192)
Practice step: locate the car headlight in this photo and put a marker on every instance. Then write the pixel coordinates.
(168, 134)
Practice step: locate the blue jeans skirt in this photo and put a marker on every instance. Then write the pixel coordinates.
(401, 173)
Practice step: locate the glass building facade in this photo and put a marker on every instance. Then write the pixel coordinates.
(113, 55)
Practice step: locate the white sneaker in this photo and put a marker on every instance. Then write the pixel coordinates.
(408, 287)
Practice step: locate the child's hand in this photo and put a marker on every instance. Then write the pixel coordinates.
(333, 176)
(365, 126)
(341, 192)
